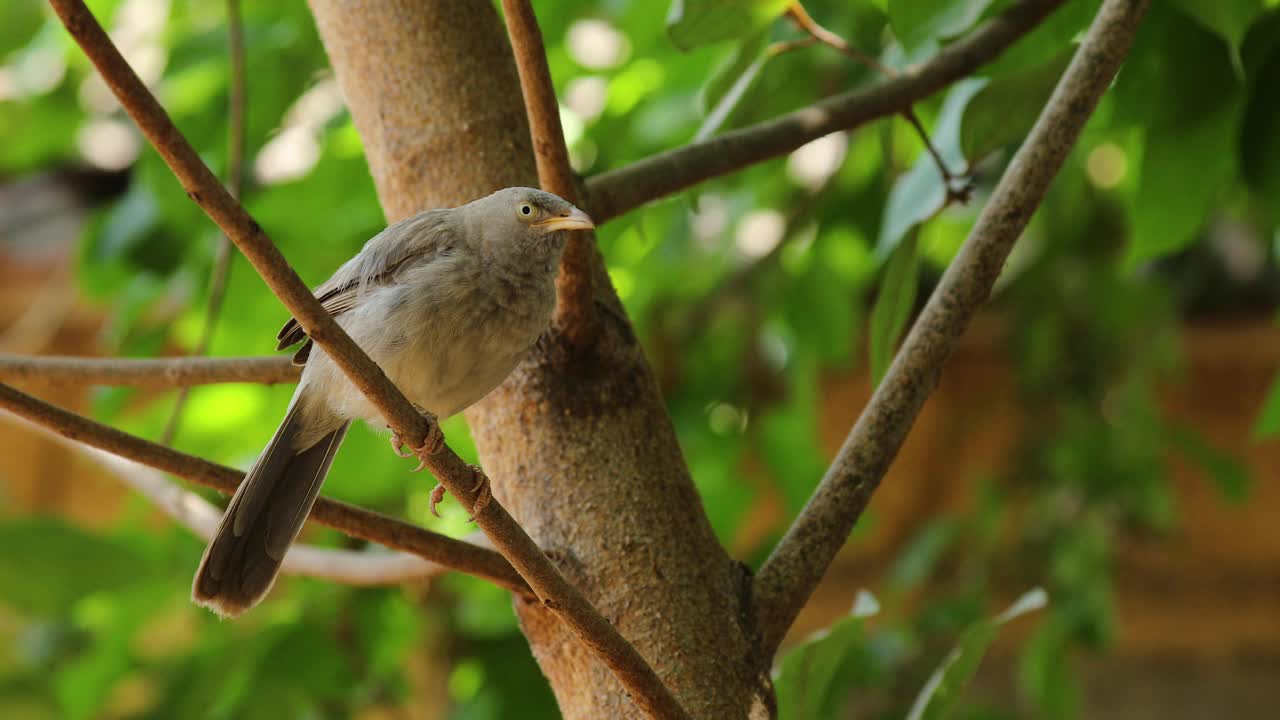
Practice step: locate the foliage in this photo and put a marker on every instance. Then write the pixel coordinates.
(745, 291)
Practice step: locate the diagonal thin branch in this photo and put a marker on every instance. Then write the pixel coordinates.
(568, 603)
(190, 510)
(793, 570)
(574, 316)
(616, 192)
(354, 521)
(235, 179)
(147, 372)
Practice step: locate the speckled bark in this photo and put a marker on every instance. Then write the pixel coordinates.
(578, 444)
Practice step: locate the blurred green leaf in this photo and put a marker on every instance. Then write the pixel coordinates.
(1046, 41)
(1191, 128)
(1228, 18)
(19, 22)
(730, 83)
(693, 23)
(1259, 141)
(1003, 111)
(942, 692)
(1230, 476)
(47, 566)
(893, 306)
(920, 193)
(816, 678)
(1268, 423)
(917, 22)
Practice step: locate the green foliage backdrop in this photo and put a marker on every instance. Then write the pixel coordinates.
(743, 290)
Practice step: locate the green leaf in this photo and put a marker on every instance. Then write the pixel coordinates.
(1228, 18)
(1230, 475)
(1268, 422)
(942, 692)
(1047, 40)
(731, 82)
(1191, 128)
(19, 22)
(893, 306)
(693, 23)
(919, 193)
(918, 22)
(814, 679)
(1259, 141)
(47, 566)
(1004, 111)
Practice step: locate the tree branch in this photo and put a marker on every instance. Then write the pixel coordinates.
(237, 113)
(349, 519)
(147, 372)
(619, 191)
(574, 316)
(569, 604)
(793, 570)
(190, 510)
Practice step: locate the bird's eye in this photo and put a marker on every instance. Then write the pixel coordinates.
(526, 209)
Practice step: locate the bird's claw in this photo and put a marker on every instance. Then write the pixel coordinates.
(431, 444)
(480, 487)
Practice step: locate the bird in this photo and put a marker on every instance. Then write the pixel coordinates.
(447, 302)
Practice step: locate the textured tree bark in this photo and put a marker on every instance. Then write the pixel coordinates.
(577, 442)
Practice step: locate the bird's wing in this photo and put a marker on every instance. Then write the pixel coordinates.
(424, 234)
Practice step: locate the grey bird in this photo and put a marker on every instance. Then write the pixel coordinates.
(447, 302)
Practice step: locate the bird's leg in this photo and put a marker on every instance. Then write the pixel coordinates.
(480, 487)
(431, 444)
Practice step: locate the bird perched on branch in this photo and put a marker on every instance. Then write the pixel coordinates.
(447, 302)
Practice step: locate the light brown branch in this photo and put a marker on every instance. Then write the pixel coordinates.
(574, 306)
(147, 372)
(354, 521)
(619, 191)
(237, 113)
(569, 604)
(190, 510)
(793, 570)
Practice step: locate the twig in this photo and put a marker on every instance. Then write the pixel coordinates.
(147, 372)
(574, 306)
(190, 510)
(351, 520)
(793, 570)
(459, 478)
(619, 191)
(235, 178)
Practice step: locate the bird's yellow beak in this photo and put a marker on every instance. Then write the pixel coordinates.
(574, 220)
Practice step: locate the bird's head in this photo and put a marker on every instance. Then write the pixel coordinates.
(525, 224)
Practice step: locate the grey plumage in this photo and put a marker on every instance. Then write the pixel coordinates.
(447, 302)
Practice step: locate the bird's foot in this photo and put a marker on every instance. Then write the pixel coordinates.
(480, 487)
(431, 444)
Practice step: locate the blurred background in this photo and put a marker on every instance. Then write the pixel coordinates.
(1107, 430)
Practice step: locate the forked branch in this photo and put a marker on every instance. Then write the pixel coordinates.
(790, 574)
(570, 605)
(573, 285)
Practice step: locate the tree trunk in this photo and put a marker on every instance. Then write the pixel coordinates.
(577, 442)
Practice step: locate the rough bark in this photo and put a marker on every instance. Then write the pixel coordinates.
(577, 443)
